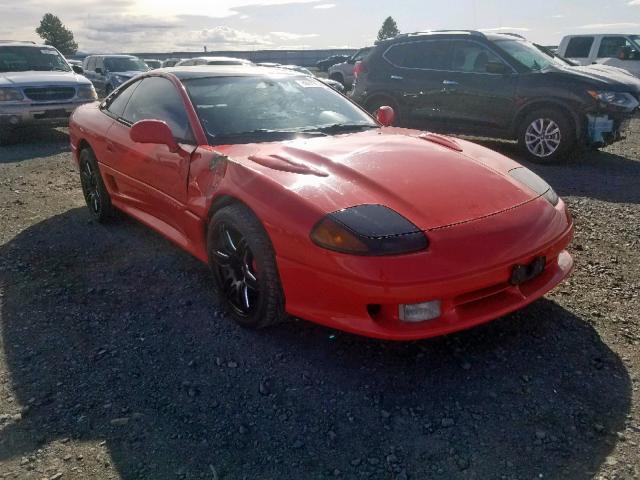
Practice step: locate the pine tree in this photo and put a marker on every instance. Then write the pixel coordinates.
(56, 34)
(389, 29)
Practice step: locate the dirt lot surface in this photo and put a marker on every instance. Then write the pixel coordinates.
(117, 363)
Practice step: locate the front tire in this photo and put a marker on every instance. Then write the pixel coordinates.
(244, 268)
(95, 193)
(546, 135)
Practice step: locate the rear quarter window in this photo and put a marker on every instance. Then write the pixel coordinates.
(579, 47)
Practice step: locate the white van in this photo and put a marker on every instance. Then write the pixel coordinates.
(615, 50)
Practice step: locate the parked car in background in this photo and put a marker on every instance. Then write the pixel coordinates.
(324, 64)
(282, 187)
(152, 63)
(499, 86)
(74, 63)
(108, 72)
(213, 61)
(296, 68)
(37, 85)
(615, 50)
(170, 62)
(343, 72)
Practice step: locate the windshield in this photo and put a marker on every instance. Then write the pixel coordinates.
(527, 54)
(22, 59)
(263, 108)
(125, 64)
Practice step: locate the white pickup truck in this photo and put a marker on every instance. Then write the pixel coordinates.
(615, 50)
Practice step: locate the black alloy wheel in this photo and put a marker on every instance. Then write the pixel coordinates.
(94, 191)
(244, 267)
(235, 269)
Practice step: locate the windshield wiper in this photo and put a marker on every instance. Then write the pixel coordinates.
(265, 132)
(342, 127)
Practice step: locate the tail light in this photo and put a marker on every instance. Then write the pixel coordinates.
(359, 68)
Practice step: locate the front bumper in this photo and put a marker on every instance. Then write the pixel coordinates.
(17, 115)
(467, 268)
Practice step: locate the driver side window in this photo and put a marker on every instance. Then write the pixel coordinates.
(469, 57)
(610, 46)
(156, 98)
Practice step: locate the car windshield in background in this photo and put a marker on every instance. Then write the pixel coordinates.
(125, 65)
(23, 59)
(264, 108)
(528, 55)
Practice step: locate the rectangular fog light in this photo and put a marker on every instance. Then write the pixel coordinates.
(419, 312)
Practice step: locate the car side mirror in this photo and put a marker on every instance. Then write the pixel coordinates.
(78, 69)
(498, 68)
(385, 116)
(153, 131)
(99, 71)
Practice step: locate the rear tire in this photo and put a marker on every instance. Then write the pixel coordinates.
(546, 135)
(244, 268)
(95, 193)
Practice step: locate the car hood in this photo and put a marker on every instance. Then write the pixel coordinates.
(19, 79)
(604, 77)
(432, 180)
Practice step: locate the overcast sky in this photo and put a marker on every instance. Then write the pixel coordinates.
(172, 25)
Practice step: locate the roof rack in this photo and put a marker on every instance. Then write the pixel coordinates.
(427, 32)
(517, 35)
(18, 41)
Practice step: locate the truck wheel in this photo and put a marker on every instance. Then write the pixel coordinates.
(546, 135)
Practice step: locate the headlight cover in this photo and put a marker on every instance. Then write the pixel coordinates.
(87, 92)
(535, 183)
(10, 95)
(619, 99)
(368, 230)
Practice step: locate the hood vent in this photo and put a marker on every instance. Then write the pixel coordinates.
(284, 164)
(441, 140)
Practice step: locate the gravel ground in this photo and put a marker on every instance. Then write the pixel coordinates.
(117, 363)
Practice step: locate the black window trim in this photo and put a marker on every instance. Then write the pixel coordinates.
(450, 41)
(123, 121)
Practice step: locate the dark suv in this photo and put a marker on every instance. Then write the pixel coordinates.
(496, 85)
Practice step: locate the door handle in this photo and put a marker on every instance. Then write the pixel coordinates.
(396, 77)
(450, 83)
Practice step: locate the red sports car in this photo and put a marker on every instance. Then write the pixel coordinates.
(303, 204)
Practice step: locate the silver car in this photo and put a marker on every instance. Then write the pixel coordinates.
(343, 72)
(37, 85)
